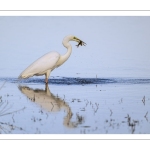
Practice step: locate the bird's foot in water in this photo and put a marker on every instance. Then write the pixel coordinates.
(46, 80)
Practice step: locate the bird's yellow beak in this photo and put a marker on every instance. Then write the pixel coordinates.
(80, 42)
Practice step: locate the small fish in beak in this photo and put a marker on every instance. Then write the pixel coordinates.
(81, 43)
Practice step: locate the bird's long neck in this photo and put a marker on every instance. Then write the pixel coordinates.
(69, 50)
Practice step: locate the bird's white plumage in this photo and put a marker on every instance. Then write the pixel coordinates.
(51, 60)
(41, 65)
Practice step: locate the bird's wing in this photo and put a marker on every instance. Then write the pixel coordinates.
(41, 65)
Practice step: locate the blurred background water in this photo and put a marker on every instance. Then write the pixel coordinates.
(116, 46)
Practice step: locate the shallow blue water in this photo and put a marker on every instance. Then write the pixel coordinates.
(75, 106)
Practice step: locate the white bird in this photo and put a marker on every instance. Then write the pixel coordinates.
(47, 63)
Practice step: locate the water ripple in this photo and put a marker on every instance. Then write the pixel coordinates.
(79, 81)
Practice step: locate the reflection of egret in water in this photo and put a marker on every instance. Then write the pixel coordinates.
(49, 102)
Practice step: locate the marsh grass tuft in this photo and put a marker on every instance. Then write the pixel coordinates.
(4, 108)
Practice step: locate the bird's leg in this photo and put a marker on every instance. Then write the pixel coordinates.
(47, 74)
(47, 90)
(46, 80)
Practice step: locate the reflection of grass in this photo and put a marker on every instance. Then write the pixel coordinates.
(132, 123)
(7, 127)
(4, 108)
(2, 85)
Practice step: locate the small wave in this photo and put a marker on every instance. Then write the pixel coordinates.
(78, 81)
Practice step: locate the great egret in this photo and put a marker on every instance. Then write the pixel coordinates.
(47, 63)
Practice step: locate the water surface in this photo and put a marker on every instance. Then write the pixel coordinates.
(75, 105)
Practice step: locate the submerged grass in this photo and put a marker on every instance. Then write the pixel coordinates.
(6, 127)
(3, 85)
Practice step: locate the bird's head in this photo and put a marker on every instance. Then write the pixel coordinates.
(73, 38)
